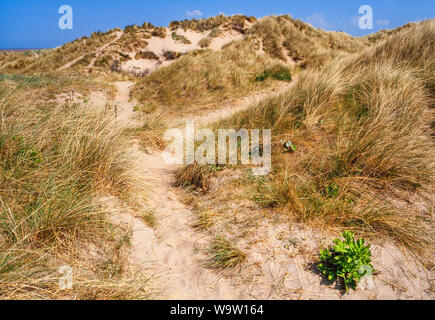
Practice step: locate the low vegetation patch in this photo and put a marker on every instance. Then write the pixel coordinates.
(277, 72)
(171, 55)
(146, 55)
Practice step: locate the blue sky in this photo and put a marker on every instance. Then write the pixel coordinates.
(34, 23)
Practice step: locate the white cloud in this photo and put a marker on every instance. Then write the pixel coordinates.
(318, 20)
(383, 22)
(194, 13)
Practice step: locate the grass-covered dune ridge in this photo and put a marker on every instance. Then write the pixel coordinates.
(205, 77)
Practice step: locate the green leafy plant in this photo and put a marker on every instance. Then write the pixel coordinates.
(331, 190)
(349, 260)
(35, 156)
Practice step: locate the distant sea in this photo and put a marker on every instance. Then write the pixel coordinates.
(17, 50)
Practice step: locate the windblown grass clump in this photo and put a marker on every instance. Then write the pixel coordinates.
(54, 162)
(224, 254)
(171, 55)
(195, 175)
(159, 32)
(204, 42)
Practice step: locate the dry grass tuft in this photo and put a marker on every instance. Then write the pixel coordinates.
(196, 175)
(224, 254)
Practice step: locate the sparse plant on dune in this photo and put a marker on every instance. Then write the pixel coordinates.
(171, 55)
(216, 32)
(180, 38)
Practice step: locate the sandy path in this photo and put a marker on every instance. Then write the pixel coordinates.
(172, 251)
(241, 104)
